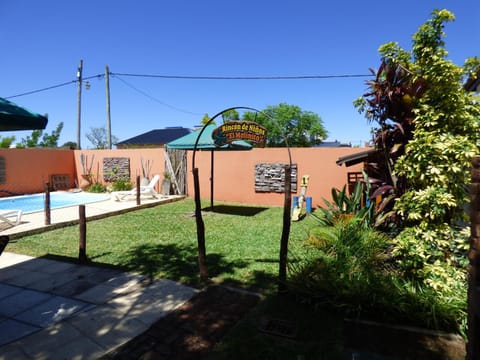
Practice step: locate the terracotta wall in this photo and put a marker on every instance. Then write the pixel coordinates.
(27, 170)
(234, 173)
(155, 156)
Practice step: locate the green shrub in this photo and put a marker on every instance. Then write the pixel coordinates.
(349, 266)
(121, 185)
(97, 188)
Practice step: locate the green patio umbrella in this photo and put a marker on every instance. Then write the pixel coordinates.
(14, 117)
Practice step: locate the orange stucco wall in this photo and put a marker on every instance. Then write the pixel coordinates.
(154, 156)
(27, 170)
(234, 173)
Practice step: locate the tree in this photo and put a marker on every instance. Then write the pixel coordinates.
(6, 141)
(435, 160)
(230, 115)
(206, 119)
(46, 141)
(301, 128)
(72, 145)
(98, 137)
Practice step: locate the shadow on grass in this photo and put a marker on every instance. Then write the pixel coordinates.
(175, 262)
(236, 210)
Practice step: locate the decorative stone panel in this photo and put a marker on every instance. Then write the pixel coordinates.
(270, 177)
(116, 168)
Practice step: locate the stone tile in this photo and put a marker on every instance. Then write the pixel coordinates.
(10, 259)
(53, 310)
(80, 348)
(13, 351)
(108, 326)
(13, 330)
(8, 275)
(50, 282)
(34, 264)
(28, 278)
(55, 267)
(45, 342)
(21, 301)
(8, 290)
(73, 288)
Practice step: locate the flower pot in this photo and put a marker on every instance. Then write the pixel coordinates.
(84, 182)
(144, 181)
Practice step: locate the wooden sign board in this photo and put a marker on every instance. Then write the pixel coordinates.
(239, 130)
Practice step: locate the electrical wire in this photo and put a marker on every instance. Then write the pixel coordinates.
(293, 77)
(116, 76)
(188, 77)
(55, 86)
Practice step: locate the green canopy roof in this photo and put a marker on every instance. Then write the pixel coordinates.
(14, 117)
(205, 142)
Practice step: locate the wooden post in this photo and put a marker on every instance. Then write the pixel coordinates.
(282, 273)
(473, 334)
(82, 223)
(202, 257)
(138, 189)
(47, 204)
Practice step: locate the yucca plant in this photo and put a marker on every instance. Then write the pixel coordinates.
(345, 206)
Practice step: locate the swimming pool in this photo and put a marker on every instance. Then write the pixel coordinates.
(36, 202)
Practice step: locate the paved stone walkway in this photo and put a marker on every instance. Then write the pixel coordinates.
(56, 310)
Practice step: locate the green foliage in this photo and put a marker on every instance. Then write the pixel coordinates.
(344, 206)
(97, 188)
(6, 141)
(301, 128)
(206, 119)
(230, 115)
(121, 185)
(40, 139)
(432, 165)
(349, 267)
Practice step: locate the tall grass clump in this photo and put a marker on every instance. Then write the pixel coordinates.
(351, 265)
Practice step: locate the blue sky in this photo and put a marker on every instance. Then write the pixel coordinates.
(44, 41)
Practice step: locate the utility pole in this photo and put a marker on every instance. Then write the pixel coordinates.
(79, 102)
(107, 89)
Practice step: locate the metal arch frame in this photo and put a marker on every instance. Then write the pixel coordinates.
(286, 210)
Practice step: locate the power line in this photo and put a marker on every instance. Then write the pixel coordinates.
(54, 86)
(188, 77)
(293, 77)
(116, 76)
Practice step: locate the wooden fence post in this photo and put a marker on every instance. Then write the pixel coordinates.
(82, 223)
(138, 189)
(282, 272)
(47, 204)
(473, 334)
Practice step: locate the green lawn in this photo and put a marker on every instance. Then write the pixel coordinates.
(242, 243)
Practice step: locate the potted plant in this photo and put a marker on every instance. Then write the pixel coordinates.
(146, 168)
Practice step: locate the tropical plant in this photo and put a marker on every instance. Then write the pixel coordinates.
(439, 123)
(344, 206)
(349, 267)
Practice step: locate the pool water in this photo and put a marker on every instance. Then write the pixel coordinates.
(36, 202)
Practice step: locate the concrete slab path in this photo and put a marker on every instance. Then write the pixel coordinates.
(56, 310)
